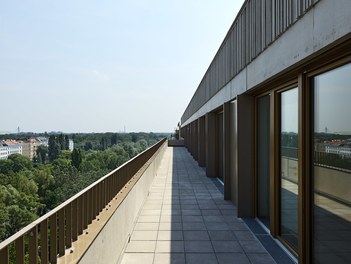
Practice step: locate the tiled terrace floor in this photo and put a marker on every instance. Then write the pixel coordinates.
(186, 220)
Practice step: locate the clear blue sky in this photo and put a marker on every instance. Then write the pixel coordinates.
(97, 66)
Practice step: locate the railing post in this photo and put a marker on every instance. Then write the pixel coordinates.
(4, 255)
(61, 238)
(68, 213)
(33, 245)
(53, 238)
(84, 215)
(44, 243)
(75, 220)
(19, 244)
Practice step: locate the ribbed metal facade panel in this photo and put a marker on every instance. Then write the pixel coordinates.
(258, 24)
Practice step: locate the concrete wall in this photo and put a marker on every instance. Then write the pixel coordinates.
(322, 27)
(109, 244)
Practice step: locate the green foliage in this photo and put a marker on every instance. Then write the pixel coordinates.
(76, 157)
(42, 152)
(27, 191)
(54, 148)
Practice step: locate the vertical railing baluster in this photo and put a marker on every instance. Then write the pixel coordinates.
(68, 213)
(19, 244)
(84, 215)
(53, 238)
(80, 214)
(44, 242)
(61, 237)
(33, 245)
(4, 255)
(74, 220)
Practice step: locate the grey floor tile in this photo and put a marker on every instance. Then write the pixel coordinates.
(190, 207)
(194, 226)
(244, 235)
(198, 246)
(170, 235)
(261, 258)
(170, 226)
(170, 218)
(232, 258)
(137, 258)
(252, 246)
(227, 246)
(148, 219)
(213, 218)
(144, 235)
(196, 235)
(211, 212)
(146, 226)
(169, 246)
(217, 226)
(228, 212)
(150, 212)
(237, 226)
(169, 258)
(192, 218)
(195, 258)
(190, 212)
(141, 247)
(222, 235)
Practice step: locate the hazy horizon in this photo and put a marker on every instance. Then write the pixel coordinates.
(102, 66)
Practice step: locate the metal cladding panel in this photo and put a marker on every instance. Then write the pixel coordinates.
(258, 24)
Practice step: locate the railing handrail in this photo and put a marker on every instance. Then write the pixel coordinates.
(46, 216)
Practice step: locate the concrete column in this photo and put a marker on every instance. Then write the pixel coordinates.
(195, 138)
(192, 139)
(201, 145)
(227, 151)
(245, 110)
(211, 145)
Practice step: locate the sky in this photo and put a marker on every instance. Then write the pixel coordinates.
(99, 66)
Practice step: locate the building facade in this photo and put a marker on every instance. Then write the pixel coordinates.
(29, 148)
(14, 147)
(4, 151)
(258, 120)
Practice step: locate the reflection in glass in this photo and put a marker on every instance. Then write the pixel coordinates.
(263, 159)
(289, 167)
(332, 167)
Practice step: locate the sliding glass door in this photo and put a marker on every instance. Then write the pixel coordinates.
(289, 167)
(332, 166)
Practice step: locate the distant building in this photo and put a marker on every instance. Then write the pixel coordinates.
(43, 141)
(14, 147)
(29, 148)
(4, 151)
(71, 145)
(343, 150)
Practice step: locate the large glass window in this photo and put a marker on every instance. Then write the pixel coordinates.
(263, 125)
(332, 166)
(289, 167)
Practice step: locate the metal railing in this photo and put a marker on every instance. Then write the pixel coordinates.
(47, 238)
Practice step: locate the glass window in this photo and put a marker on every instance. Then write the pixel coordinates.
(263, 125)
(289, 167)
(332, 166)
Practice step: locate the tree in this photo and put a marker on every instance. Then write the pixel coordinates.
(15, 163)
(62, 142)
(76, 157)
(88, 146)
(114, 139)
(54, 148)
(66, 142)
(42, 152)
